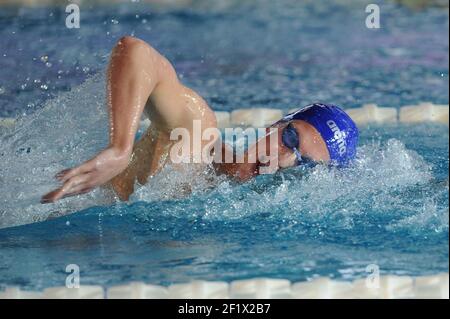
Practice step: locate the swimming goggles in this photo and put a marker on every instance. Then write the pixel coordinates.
(291, 139)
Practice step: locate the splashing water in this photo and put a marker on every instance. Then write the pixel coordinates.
(188, 222)
(379, 180)
(59, 136)
(73, 127)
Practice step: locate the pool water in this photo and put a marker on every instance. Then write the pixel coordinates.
(389, 209)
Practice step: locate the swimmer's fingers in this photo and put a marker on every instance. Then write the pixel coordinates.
(49, 197)
(62, 173)
(74, 186)
(83, 189)
(67, 174)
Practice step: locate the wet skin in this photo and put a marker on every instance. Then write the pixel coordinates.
(142, 81)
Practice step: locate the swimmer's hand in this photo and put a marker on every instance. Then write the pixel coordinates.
(92, 173)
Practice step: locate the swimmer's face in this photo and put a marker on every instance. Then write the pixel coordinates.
(311, 144)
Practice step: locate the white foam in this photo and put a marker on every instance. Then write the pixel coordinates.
(177, 181)
(144, 125)
(69, 130)
(322, 192)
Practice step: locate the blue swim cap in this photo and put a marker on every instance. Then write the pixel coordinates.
(336, 128)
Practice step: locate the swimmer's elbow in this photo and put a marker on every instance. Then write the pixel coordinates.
(128, 40)
(137, 55)
(135, 47)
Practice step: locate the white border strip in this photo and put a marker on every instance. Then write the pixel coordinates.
(385, 287)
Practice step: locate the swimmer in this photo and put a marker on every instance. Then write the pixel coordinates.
(142, 81)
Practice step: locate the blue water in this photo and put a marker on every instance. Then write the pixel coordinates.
(390, 209)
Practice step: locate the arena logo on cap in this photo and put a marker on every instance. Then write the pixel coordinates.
(339, 136)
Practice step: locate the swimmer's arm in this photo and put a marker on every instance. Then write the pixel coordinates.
(132, 76)
(134, 72)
